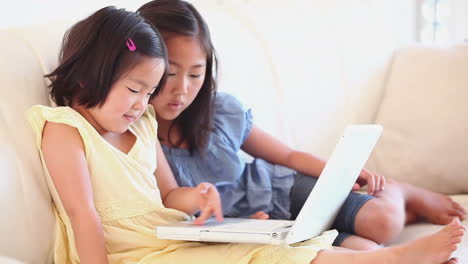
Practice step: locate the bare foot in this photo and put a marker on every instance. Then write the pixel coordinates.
(434, 249)
(434, 207)
(411, 217)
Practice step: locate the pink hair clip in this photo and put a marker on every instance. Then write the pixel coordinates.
(131, 46)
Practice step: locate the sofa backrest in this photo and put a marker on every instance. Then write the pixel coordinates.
(424, 112)
(25, 206)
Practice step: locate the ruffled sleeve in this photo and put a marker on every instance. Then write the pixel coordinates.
(232, 121)
(38, 115)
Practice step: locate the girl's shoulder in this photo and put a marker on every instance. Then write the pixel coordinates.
(38, 115)
(57, 126)
(225, 103)
(232, 121)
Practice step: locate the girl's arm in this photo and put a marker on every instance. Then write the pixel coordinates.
(190, 200)
(64, 156)
(262, 145)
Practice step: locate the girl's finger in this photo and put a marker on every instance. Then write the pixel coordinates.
(383, 182)
(260, 215)
(371, 185)
(377, 183)
(219, 213)
(356, 187)
(204, 187)
(206, 213)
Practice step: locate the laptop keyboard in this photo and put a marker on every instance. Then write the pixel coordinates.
(256, 225)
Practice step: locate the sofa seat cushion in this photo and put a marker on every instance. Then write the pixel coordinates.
(415, 231)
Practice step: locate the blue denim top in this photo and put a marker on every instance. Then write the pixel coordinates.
(245, 188)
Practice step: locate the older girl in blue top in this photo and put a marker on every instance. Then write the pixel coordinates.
(202, 131)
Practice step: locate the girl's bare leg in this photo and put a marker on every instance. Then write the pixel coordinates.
(383, 218)
(433, 249)
(358, 243)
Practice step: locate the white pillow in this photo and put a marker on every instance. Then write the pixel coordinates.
(424, 112)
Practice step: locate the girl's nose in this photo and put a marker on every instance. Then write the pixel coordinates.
(141, 103)
(181, 87)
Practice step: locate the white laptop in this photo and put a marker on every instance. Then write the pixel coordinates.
(317, 214)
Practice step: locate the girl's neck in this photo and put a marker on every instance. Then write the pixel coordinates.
(166, 132)
(83, 111)
(121, 141)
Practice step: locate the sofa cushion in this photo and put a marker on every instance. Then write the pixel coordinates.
(414, 231)
(425, 117)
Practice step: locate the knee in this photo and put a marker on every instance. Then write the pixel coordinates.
(385, 225)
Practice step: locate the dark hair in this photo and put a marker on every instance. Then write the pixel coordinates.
(179, 17)
(94, 55)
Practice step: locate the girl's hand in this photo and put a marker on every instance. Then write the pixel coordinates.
(209, 203)
(260, 215)
(375, 182)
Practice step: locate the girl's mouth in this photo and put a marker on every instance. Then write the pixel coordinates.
(130, 118)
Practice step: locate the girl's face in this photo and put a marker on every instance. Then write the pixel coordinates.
(187, 67)
(128, 97)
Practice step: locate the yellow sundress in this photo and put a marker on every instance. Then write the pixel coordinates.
(128, 201)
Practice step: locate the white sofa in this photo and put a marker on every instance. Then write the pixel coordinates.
(418, 95)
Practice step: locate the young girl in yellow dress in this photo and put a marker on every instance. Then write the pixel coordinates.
(107, 174)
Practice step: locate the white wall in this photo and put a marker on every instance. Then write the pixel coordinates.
(25, 12)
(16, 13)
(460, 20)
(300, 64)
(320, 63)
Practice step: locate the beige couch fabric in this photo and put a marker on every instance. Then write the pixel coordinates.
(425, 117)
(26, 219)
(29, 53)
(422, 229)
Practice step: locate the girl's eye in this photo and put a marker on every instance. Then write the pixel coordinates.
(171, 74)
(131, 90)
(195, 75)
(152, 92)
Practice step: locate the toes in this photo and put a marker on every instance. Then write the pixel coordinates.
(455, 221)
(456, 213)
(452, 261)
(449, 220)
(460, 210)
(453, 225)
(458, 232)
(461, 215)
(452, 247)
(458, 206)
(456, 240)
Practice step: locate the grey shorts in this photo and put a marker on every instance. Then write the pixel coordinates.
(346, 217)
